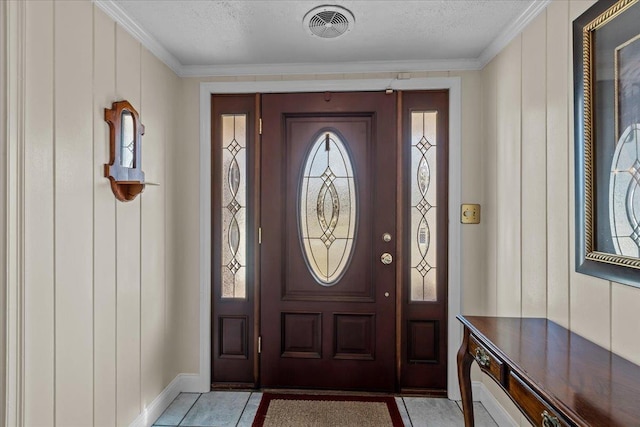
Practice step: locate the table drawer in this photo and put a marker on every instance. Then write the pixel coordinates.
(536, 409)
(487, 361)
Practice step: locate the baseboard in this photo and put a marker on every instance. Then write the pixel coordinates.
(192, 383)
(494, 408)
(181, 383)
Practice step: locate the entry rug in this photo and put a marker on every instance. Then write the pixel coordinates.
(305, 410)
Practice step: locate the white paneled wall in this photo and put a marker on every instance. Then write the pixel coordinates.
(111, 289)
(528, 139)
(95, 282)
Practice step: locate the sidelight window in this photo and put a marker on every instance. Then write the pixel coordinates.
(423, 206)
(234, 206)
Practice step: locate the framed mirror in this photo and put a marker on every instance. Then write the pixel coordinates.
(607, 140)
(124, 167)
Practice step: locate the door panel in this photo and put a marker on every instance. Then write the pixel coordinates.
(336, 333)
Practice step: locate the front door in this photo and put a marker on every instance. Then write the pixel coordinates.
(328, 242)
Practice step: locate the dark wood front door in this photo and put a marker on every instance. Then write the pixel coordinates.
(328, 199)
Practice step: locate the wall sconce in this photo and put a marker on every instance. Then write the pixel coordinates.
(125, 151)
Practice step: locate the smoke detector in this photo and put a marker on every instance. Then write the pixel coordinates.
(328, 22)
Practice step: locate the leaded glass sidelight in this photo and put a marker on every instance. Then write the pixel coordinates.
(624, 194)
(327, 209)
(234, 205)
(422, 236)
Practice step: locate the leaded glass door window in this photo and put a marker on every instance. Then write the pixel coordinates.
(328, 210)
(233, 212)
(424, 207)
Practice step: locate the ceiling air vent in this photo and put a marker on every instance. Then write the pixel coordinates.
(328, 22)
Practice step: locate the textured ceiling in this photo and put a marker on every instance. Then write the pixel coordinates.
(228, 33)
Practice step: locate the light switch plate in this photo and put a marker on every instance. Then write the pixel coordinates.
(470, 213)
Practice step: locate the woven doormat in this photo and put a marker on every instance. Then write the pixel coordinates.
(306, 410)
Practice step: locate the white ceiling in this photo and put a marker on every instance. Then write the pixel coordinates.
(206, 37)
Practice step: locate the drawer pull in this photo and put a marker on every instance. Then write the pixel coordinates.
(482, 357)
(549, 420)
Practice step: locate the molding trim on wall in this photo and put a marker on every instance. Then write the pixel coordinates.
(14, 199)
(181, 383)
(139, 33)
(329, 68)
(482, 394)
(455, 126)
(512, 31)
(3, 205)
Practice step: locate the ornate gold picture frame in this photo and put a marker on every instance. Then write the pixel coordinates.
(607, 140)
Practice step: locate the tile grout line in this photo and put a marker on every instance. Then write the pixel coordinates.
(404, 403)
(181, 419)
(244, 408)
(189, 410)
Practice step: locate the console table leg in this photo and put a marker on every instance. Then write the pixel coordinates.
(464, 379)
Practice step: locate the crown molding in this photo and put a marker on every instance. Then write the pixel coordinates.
(329, 68)
(511, 31)
(111, 8)
(132, 27)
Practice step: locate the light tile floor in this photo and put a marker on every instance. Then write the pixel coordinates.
(238, 409)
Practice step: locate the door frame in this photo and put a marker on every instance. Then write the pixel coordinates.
(453, 84)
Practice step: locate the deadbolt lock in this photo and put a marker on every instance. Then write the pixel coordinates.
(386, 258)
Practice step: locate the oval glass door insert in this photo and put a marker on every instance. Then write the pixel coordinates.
(327, 209)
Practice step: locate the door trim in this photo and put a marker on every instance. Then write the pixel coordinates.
(453, 84)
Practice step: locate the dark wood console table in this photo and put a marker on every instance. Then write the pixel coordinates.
(555, 377)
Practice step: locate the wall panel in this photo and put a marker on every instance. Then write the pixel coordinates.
(183, 289)
(508, 179)
(104, 217)
(474, 266)
(534, 165)
(73, 212)
(39, 290)
(489, 210)
(155, 117)
(558, 155)
(128, 253)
